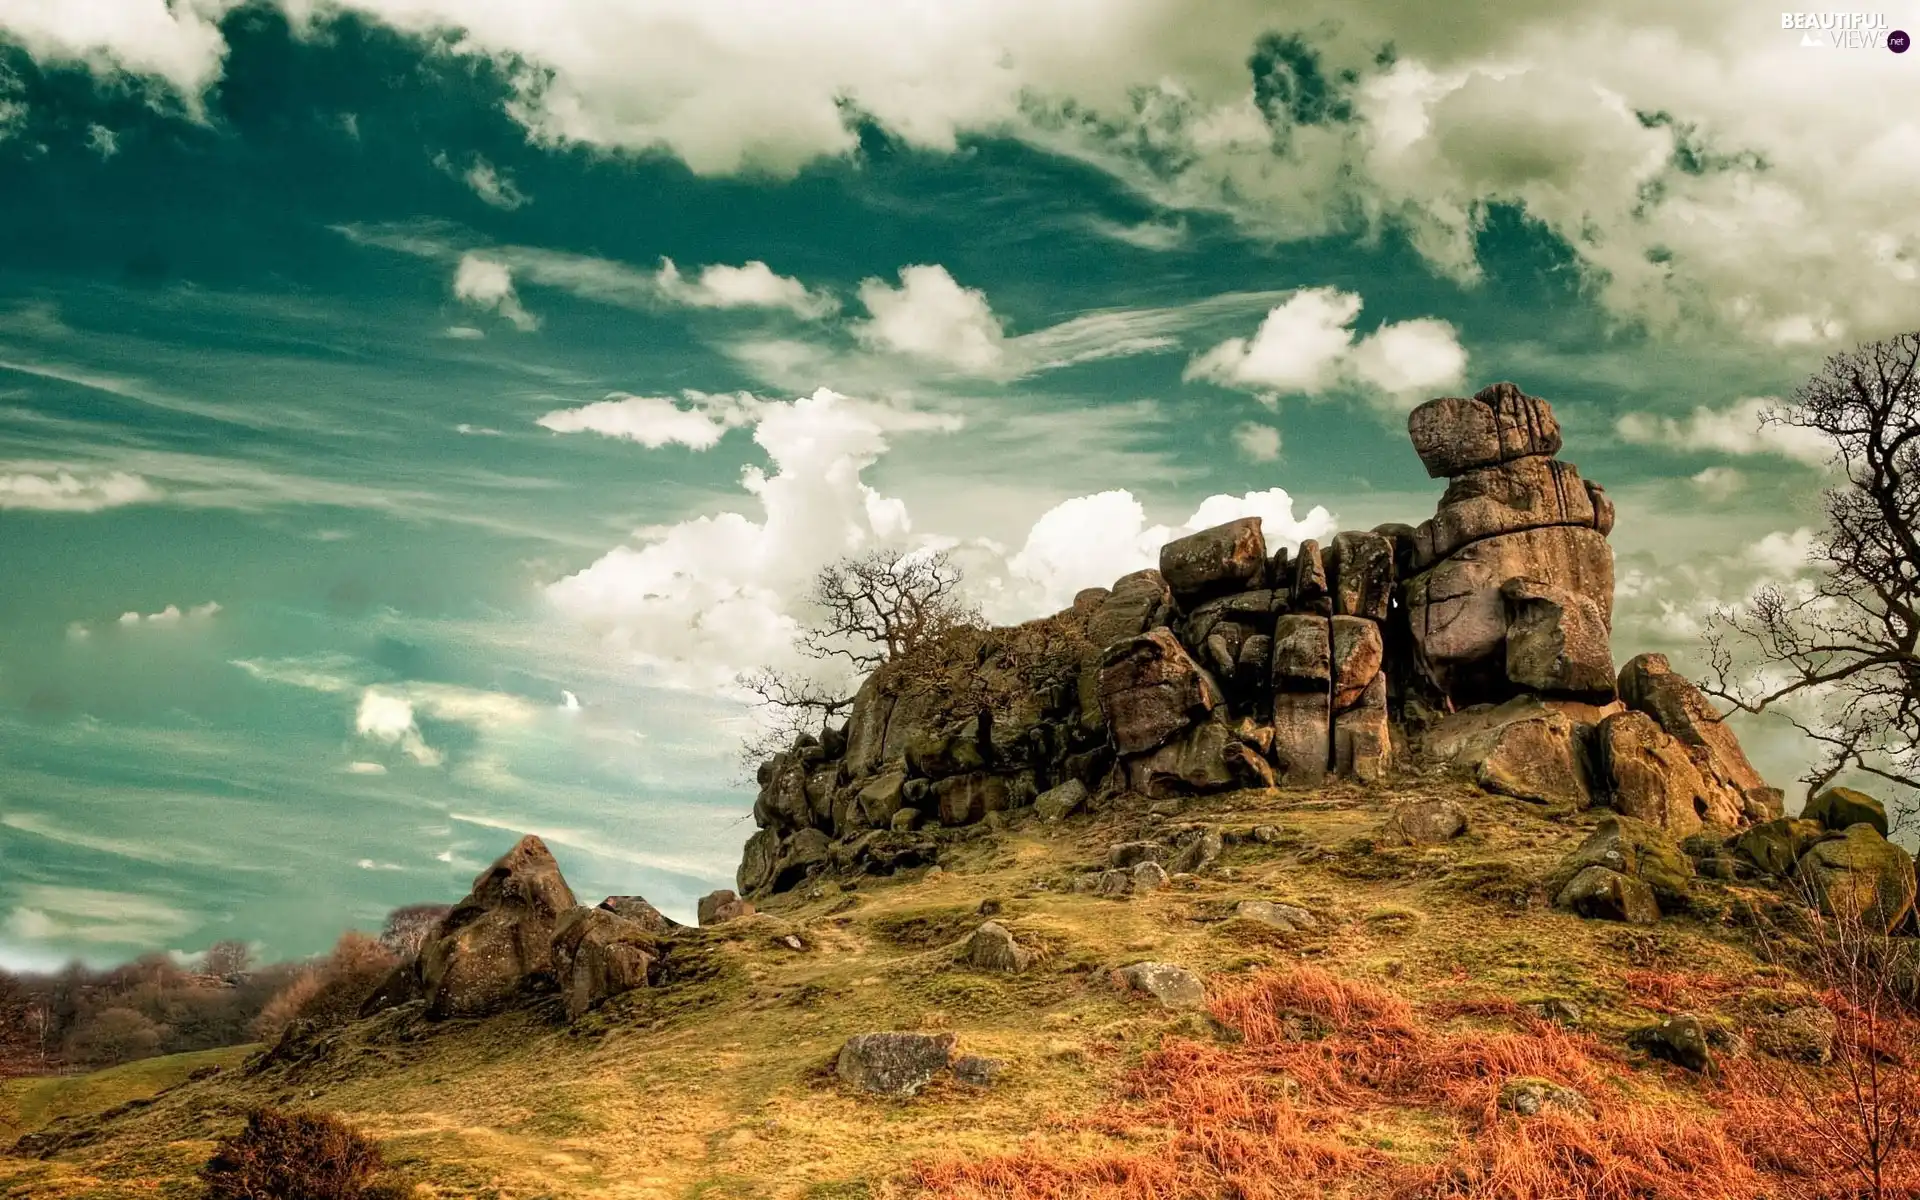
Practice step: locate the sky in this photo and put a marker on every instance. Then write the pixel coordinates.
(416, 414)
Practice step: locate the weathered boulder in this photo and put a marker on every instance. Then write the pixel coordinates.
(599, 954)
(1226, 558)
(1634, 849)
(895, 1065)
(952, 749)
(1126, 854)
(770, 863)
(1302, 653)
(978, 1071)
(1680, 1039)
(719, 907)
(783, 802)
(1173, 986)
(1151, 689)
(1457, 613)
(1523, 748)
(1648, 775)
(1557, 642)
(1357, 655)
(1309, 593)
(1601, 894)
(636, 908)
(882, 796)
(1841, 808)
(1529, 1097)
(1428, 822)
(1302, 738)
(1803, 1033)
(1776, 846)
(1148, 877)
(1363, 736)
(1061, 801)
(1363, 574)
(1861, 876)
(1525, 493)
(1137, 603)
(965, 799)
(1649, 684)
(1454, 434)
(1199, 851)
(499, 936)
(758, 858)
(1206, 758)
(1289, 918)
(993, 948)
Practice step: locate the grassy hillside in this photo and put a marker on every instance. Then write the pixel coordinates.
(31, 1103)
(1359, 1058)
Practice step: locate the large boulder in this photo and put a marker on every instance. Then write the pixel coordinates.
(967, 799)
(1600, 894)
(1309, 592)
(1861, 876)
(1458, 614)
(1207, 758)
(1151, 689)
(1526, 493)
(1841, 808)
(1135, 604)
(719, 907)
(1648, 775)
(1302, 738)
(1498, 424)
(1173, 986)
(498, 937)
(598, 954)
(1523, 748)
(895, 1065)
(1356, 656)
(1226, 558)
(952, 749)
(993, 948)
(1363, 735)
(1775, 847)
(637, 908)
(1557, 642)
(1302, 655)
(1649, 684)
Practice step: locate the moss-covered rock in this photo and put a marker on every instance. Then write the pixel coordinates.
(1861, 876)
(1840, 808)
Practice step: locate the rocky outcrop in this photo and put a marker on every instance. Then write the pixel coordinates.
(1861, 876)
(599, 953)
(895, 1065)
(1478, 641)
(499, 938)
(1626, 870)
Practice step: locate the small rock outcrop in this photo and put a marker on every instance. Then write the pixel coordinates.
(719, 907)
(895, 1065)
(499, 937)
(599, 953)
(992, 948)
(1173, 986)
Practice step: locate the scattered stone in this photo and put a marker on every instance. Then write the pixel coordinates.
(1062, 801)
(1428, 822)
(1267, 835)
(1840, 808)
(1529, 1097)
(1285, 917)
(1199, 853)
(1600, 894)
(895, 1065)
(1149, 877)
(1634, 849)
(1116, 884)
(1127, 854)
(993, 948)
(1680, 1039)
(1173, 986)
(1557, 1009)
(978, 1071)
(905, 820)
(717, 908)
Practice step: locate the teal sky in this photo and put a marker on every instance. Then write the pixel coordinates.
(412, 416)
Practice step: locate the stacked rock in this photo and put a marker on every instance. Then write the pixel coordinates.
(1510, 586)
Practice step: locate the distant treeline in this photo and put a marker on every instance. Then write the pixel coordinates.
(85, 1018)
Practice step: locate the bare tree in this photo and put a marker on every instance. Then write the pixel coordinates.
(871, 609)
(407, 928)
(1840, 659)
(226, 958)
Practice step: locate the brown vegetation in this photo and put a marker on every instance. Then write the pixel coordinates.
(297, 1156)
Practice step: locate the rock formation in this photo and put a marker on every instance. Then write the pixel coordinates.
(1478, 641)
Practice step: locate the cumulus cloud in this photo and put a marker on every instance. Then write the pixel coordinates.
(387, 718)
(171, 615)
(1784, 553)
(177, 42)
(698, 420)
(1259, 443)
(1307, 346)
(487, 284)
(931, 317)
(750, 285)
(1719, 483)
(1737, 429)
(65, 491)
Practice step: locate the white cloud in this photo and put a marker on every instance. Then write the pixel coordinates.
(1306, 346)
(1144, 235)
(385, 717)
(60, 490)
(1259, 443)
(751, 285)
(172, 614)
(931, 317)
(463, 333)
(365, 768)
(176, 42)
(656, 421)
(1737, 429)
(368, 864)
(52, 913)
(1719, 483)
(1783, 553)
(487, 284)
(494, 187)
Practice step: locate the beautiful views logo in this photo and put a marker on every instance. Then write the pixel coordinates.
(1846, 31)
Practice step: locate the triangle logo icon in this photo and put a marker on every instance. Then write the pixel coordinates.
(1811, 40)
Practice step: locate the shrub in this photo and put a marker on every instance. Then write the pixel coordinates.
(298, 1156)
(116, 1035)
